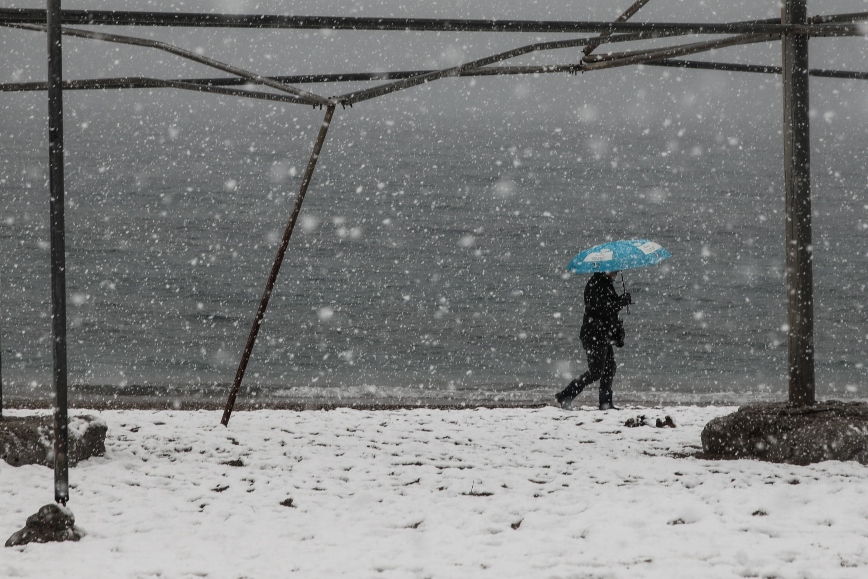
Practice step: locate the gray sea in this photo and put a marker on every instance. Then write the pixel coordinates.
(429, 261)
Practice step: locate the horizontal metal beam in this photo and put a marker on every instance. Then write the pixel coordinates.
(144, 82)
(199, 20)
(756, 68)
(212, 85)
(826, 19)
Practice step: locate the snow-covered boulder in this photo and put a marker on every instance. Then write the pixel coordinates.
(780, 432)
(30, 439)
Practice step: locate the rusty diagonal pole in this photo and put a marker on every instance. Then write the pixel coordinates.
(628, 13)
(278, 260)
(594, 61)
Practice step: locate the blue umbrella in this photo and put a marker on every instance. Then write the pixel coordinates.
(618, 255)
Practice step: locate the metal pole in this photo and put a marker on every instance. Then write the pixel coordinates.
(797, 175)
(214, 84)
(762, 69)
(58, 250)
(643, 56)
(358, 23)
(1, 352)
(275, 268)
(626, 15)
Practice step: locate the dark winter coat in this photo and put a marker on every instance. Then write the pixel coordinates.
(600, 324)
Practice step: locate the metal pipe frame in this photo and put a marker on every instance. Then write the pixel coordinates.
(852, 17)
(830, 24)
(676, 51)
(215, 86)
(794, 29)
(756, 68)
(700, 46)
(352, 98)
(212, 85)
(305, 97)
(626, 15)
(58, 251)
(349, 99)
(302, 96)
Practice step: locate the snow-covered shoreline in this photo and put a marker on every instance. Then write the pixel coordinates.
(436, 493)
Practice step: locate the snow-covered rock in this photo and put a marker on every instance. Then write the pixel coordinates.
(30, 439)
(779, 432)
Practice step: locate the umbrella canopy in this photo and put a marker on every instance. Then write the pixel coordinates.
(618, 255)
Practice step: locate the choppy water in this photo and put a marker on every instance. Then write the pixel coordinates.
(430, 257)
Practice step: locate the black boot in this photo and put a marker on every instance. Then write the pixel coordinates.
(566, 396)
(606, 398)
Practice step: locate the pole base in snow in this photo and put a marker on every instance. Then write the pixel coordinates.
(52, 523)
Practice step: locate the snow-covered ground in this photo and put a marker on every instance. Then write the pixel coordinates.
(437, 493)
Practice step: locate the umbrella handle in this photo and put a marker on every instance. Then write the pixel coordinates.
(624, 287)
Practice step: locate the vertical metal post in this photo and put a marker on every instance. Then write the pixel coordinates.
(275, 268)
(1, 348)
(58, 250)
(797, 174)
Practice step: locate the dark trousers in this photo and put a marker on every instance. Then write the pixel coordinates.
(601, 366)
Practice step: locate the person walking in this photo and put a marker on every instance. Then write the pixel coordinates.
(601, 328)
